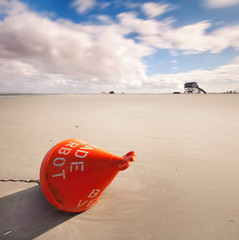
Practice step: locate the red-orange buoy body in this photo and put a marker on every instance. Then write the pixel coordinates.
(74, 174)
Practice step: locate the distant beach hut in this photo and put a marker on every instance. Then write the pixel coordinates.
(192, 87)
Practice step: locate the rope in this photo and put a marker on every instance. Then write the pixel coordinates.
(21, 180)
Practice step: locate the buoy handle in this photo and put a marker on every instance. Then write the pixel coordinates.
(128, 158)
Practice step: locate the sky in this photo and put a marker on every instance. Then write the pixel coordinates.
(94, 46)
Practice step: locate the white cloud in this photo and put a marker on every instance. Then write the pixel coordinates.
(190, 39)
(83, 5)
(146, 28)
(86, 56)
(220, 3)
(105, 19)
(61, 56)
(16, 75)
(225, 76)
(11, 7)
(153, 9)
(227, 37)
(103, 5)
(236, 60)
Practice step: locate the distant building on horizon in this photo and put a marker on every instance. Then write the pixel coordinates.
(192, 87)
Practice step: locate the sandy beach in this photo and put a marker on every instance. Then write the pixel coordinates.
(184, 184)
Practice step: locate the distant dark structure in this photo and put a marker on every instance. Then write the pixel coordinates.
(111, 92)
(192, 87)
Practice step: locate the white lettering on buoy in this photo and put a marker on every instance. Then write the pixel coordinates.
(80, 205)
(72, 144)
(64, 151)
(60, 174)
(79, 153)
(87, 147)
(94, 193)
(59, 164)
(76, 166)
(90, 201)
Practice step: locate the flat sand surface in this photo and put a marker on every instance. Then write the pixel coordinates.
(184, 184)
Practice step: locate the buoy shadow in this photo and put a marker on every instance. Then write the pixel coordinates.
(27, 214)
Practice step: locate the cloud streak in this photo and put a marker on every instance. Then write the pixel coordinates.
(153, 9)
(220, 3)
(82, 6)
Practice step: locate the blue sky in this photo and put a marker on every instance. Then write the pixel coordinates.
(130, 46)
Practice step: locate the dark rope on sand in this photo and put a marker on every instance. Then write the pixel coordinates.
(21, 180)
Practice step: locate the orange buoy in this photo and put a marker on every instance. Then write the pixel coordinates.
(74, 174)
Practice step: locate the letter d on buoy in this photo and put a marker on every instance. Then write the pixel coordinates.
(74, 174)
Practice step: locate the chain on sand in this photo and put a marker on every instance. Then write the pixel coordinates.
(21, 180)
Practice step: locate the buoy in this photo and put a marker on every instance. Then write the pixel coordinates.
(74, 174)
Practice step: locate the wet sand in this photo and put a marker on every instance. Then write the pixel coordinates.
(184, 183)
